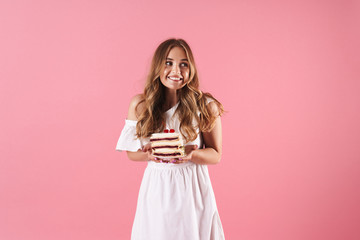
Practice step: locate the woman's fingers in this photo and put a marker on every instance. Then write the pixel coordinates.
(157, 160)
(147, 147)
(190, 148)
(172, 160)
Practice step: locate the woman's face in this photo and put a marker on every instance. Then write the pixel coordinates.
(175, 73)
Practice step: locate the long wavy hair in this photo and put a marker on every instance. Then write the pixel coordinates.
(191, 99)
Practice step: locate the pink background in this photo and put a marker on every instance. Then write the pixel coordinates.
(287, 73)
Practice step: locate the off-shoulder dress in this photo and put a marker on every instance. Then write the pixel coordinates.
(175, 201)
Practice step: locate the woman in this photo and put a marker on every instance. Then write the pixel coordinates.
(176, 199)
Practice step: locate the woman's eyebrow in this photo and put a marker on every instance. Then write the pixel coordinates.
(180, 60)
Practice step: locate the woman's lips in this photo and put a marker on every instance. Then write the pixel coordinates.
(176, 79)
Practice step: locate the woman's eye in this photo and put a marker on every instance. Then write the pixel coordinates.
(184, 65)
(167, 63)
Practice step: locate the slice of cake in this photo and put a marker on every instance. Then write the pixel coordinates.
(167, 144)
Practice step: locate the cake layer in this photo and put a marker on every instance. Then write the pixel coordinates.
(167, 146)
(163, 139)
(166, 135)
(168, 150)
(168, 154)
(166, 143)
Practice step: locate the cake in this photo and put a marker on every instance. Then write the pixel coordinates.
(167, 144)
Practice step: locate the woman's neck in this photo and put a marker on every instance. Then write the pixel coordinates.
(171, 98)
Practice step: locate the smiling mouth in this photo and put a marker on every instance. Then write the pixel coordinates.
(175, 78)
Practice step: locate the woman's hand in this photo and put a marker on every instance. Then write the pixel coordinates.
(189, 149)
(147, 148)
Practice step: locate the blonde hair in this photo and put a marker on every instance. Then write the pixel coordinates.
(191, 99)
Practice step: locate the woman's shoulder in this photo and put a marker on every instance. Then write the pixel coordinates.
(214, 108)
(136, 106)
(137, 99)
(208, 99)
(213, 104)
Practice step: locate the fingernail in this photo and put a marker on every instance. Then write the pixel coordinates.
(155, 158)
(161, 161)
(180, 159)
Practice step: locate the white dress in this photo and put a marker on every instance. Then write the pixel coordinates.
(175, 201)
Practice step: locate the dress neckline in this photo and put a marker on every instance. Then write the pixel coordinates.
(173, 107)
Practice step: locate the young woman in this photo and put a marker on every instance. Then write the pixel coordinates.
(176, 199)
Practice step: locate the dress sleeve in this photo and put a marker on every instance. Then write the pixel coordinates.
(127, 140)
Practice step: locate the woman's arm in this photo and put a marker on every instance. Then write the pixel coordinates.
(211, 154)
(139, 155)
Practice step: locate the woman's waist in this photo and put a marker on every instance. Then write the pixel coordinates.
(152, 164)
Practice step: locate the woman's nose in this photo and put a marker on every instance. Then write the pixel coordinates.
(176, 69)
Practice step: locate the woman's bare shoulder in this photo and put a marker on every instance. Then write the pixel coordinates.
(214, 108)
(137, 100)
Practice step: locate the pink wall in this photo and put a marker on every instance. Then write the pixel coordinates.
(288, 74)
